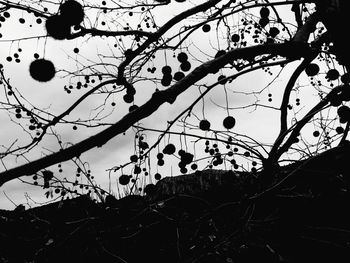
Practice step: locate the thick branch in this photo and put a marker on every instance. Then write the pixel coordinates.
(297, 13)
(303, 33)
(285, 101)
(158, 98)
(300, 124)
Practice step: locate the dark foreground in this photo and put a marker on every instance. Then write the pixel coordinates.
(299, 221)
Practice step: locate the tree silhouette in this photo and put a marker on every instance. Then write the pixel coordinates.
(246, 101)
(146, 50)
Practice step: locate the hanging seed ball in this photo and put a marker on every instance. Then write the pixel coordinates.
(222, 79)
(204, 125)
(166, 80)
(187, 158)
(166, 70)
(316, 133)
(339, 130)
(182, 57)
(157, 176)
(133, 158)
(332, 74)
(194, 166)
(264, 12)
(246, 154)
(72, 12)
(235, 38)
(181, 152)
(130, 90)
(133, 107)
(229, 122)
(128, 98)
(179, 75)
(181, 164)
(185, 66)
(206, 28)
(124, 179)
(274, 31)
(160, 162)
(183, 170)
(344, 112)
(169, 149)
(264, 21)
(137, 169)
(345, 78)
(42, 70)
(312, 69)
(57, 27)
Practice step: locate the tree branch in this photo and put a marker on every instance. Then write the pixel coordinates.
(303, 33)
(96, 32)
(285, 101)
(158, 98)
(155, 36)
(300, 124)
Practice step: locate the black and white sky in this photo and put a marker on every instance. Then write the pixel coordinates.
(31, 38)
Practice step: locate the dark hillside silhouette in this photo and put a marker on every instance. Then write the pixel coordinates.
(216, 220)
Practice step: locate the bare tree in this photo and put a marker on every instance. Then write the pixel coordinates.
(212, 43)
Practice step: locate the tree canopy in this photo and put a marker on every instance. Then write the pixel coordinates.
(243, 85)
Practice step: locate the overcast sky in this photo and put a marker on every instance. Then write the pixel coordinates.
(260, 125)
